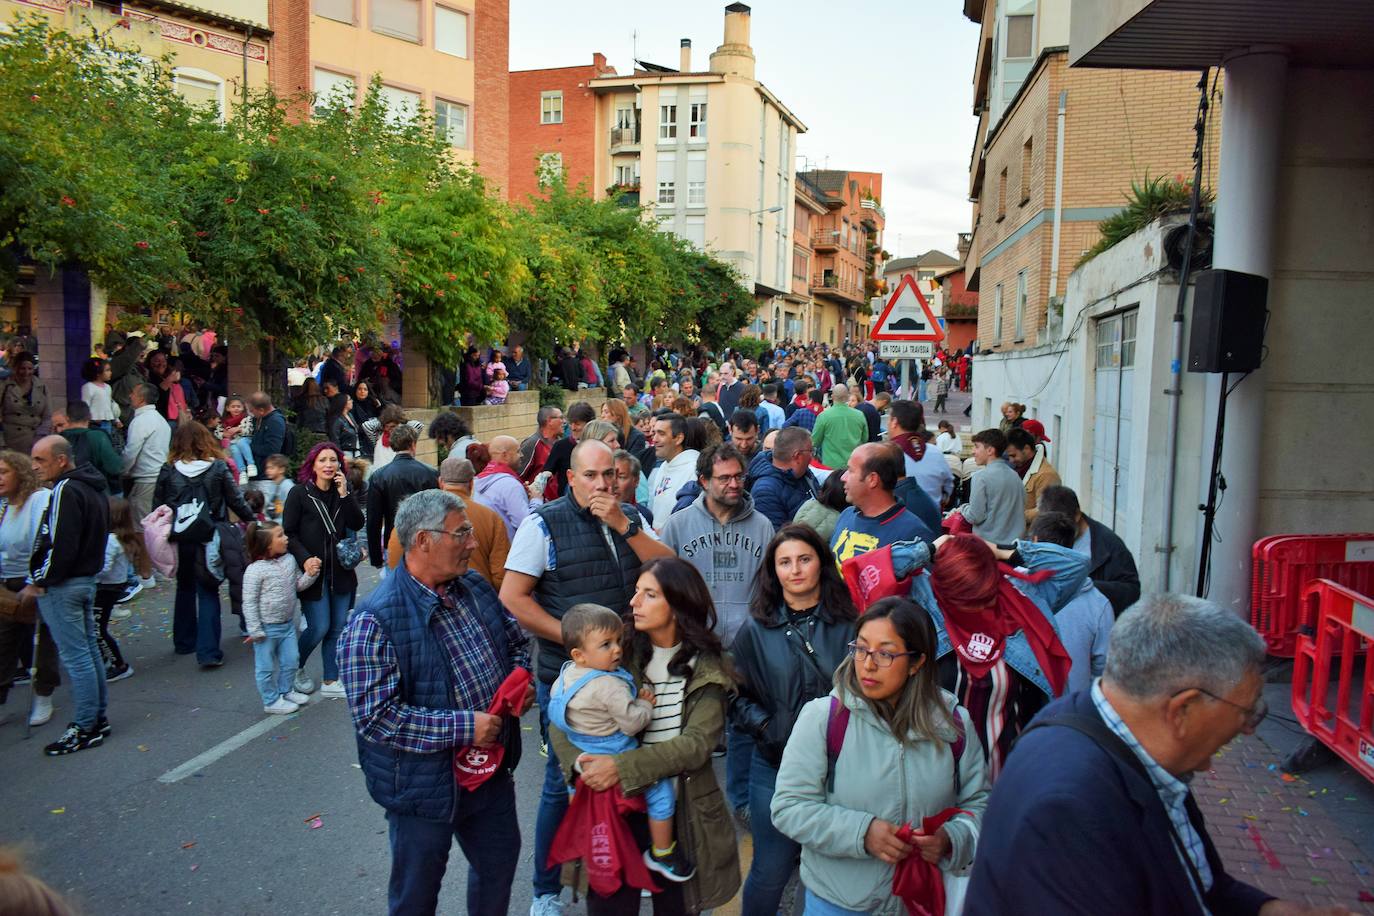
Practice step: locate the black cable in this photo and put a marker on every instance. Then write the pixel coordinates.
(1209, 508)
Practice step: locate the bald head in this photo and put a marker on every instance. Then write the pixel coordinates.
(592, 471)
(504, 449)
(839, 394)
(52, 457)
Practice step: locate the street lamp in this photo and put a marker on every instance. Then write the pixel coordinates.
(777, 209)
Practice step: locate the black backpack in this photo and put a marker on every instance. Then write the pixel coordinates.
(288, 440)
(192, 520)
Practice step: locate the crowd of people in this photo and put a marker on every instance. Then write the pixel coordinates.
(773, 560)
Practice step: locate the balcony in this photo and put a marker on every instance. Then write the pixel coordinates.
(825, 240)
(624, 137)
(829, 286)
(869, 203)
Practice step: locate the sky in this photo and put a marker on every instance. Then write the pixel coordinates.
(882, 85)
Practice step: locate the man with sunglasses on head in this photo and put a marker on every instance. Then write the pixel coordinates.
(1093, 812)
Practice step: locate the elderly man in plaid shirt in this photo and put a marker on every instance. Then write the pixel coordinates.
(420, 661)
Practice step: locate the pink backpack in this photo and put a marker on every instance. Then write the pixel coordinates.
(156, 526)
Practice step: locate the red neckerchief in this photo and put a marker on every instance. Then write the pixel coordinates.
(815, 409)
(386, 438)
(911, 445)
(979, 638)
(495, 467)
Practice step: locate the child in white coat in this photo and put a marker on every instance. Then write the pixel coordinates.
(270, 612)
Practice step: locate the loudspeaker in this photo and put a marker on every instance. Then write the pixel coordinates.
(1229, 316)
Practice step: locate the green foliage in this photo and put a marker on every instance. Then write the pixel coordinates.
(551, 395)
(751, 347)
(1147, 201)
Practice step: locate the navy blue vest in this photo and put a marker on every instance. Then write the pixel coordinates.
(587, 571)
(422, 785)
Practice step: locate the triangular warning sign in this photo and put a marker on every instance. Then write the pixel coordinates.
(907, 316)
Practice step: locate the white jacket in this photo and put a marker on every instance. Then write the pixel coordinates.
(149, 437)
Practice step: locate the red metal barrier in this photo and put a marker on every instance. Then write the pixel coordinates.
(1283, 565)
(1344, 638)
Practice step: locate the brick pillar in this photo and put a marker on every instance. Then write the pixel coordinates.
(491, 109)
(76, 337)
(415, 372)
(245, 368)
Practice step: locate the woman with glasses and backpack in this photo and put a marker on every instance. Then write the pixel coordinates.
(801, 622)
(198, 486)
(319, 518)
(886, 749)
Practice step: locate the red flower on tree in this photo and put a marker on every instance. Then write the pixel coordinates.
(67, 201)
(143, 245)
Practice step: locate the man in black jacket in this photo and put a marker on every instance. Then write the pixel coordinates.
(69, 551)
(402, 476)
(1112, 568)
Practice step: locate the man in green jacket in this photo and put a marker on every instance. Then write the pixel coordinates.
(88, 444)
(839, 429)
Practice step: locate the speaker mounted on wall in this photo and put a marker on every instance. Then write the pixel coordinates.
(1229, 317)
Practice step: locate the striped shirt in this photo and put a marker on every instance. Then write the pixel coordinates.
(670, 693)
(1173, 792)
(372, 676)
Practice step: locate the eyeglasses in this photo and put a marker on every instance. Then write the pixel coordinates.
(462, 534)
(881, 657)
(1254, 715)
(729, 478)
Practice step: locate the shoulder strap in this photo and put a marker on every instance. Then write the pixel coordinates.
(836, 724)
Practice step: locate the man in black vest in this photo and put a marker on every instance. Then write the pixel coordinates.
(585, 546)
(414, 706)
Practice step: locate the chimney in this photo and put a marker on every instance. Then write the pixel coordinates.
(734, 56)
(685, 56)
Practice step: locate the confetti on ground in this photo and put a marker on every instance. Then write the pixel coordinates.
(188, 845)
(1286, 777)
(195, 868)
(1315, 880)
(143, 748)
(1302, 812)
(313, 817)
(316, 824)
(1223, 801)
(357, 766)
(1273, 767)
(1366, 897)
(58, 811)
(1263, 847)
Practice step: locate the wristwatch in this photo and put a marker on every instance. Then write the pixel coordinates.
(634, 528)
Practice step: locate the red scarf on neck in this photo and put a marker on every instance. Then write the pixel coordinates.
(983, 609)
(496, 467)
(912, 445)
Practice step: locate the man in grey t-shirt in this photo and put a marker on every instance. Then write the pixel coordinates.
(997, 499)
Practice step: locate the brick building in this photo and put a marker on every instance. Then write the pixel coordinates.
(1116, 127)
(553, 125)
(847, 240)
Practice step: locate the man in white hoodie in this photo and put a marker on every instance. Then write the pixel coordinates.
(676, 465)
(145, 448)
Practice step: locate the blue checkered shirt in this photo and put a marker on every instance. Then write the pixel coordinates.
(1173, 792)
(372, 676)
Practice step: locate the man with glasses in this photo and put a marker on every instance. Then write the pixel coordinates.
(413, 707)
(1093, 811)
(724, 536)
(586, 546)
(781, 480)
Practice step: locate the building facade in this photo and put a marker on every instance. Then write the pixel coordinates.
(450, 56)
(1037, 205)
(847, 240)
(712, 151)
(803, 321)
(958, 308)
(553, 127)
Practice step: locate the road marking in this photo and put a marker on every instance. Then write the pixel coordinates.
(228, 746)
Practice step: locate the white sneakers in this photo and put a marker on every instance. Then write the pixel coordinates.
(281, 707)
(547, 905)
(41, 711)
(299, 699)
(332, 689)
(302, 684)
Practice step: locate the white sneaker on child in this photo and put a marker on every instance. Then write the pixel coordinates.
(303, 684)
(299, 699)
(332, 689)
(280, 707)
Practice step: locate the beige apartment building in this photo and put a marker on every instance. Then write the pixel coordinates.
(1055, 152)
(711, 150)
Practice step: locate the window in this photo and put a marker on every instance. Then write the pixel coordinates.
(696, 127)
(451, 122)
(627, 175)
(551, 107)
(696, 179)
(550, 168)
(695, 231)
(397, 18)
(333, 90)
(667, 192)
(667, 122)
(799, 266)
(450, 31)
(997, 315)
(1019, 36)
(1027, 163)
(624, 118)
(338, 10)
(1019, 325)
(1128, 322)
(1002, 196)
(200, 88)
(401, 105)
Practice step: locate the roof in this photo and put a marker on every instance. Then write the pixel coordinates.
(931, 259)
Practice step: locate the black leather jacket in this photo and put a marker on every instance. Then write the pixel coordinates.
(777, 675)
(223, 490)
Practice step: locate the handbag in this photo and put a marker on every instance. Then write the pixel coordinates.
(348, 551)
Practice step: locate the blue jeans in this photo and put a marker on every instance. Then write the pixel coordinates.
(195, 612)
(818, 906)
(553, 804)
(68, 609)
(275, 660)
(739, 757)
(484, 822)
(241, 450)
(776, 856)
(922, 395)
(325, 618)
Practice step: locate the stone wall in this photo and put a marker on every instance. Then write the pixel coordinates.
(515, 418)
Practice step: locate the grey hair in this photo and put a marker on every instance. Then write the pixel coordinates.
(635, 467)
(425, 510)
(1165, 643)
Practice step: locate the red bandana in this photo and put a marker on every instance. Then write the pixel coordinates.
(911, 445)
(495, 467)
